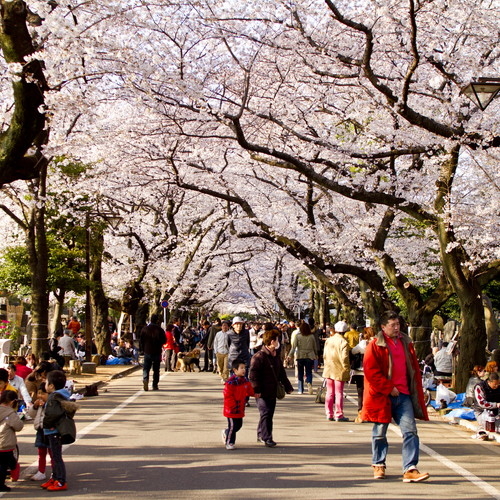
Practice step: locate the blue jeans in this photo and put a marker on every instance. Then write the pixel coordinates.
(58, 467)
(307, 364)
(151, 361)
(402, 413)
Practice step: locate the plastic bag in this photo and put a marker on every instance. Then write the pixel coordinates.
(443, 393)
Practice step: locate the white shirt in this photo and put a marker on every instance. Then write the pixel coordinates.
(19, 384)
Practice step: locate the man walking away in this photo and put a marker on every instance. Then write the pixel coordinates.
(151, 341)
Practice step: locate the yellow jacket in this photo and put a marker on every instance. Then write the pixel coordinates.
(336, 358)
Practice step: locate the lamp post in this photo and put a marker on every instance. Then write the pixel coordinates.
(114, 220)
(482, 91)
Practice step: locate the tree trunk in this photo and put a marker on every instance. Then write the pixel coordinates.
(38, 255)
(472, 346)
(55, 322)
(421, 336)
(372, 303)
(132, 296)
(491, 324)
(100, 305)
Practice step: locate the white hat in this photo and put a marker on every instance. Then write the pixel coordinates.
(341, 327)
(237, 319)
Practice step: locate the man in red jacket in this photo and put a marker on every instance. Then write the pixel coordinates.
(393, 390)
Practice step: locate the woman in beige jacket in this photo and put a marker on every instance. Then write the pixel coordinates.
(305, 350)
(336, 371)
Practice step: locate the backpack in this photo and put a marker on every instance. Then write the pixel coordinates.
(356, 360)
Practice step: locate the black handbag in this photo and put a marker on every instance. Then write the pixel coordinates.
(280, 388)
(67, 428)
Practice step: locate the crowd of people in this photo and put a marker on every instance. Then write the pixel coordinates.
(39, 387)
(384, 368)
(251, 359)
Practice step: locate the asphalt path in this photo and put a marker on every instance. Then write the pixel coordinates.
(167, 444)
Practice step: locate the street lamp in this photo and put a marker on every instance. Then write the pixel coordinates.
(114, 221)
(482, 91)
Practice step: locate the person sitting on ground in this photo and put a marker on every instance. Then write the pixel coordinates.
(54, 350)
(486, 399)
(18, 383)
(80, 347)
(477, 376)
(39, 375)
(22, 370)
(491, 367)
(4, 381)
(32, 361)
(443, 360)
(123, 353)
(67, 345)
(134, 353)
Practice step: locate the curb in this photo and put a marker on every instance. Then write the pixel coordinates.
(124, 372)
(100, 383)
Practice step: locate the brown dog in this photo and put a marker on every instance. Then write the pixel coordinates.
(187, 361)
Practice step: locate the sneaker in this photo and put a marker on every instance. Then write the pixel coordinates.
(145, 385)
(414, 476)
(331, 419)
(50, 482)
(155, 388)
(270, 443)
(224, 436)
(342, 419)
(57, 486)
(14, 473)
(230, 446)
(378, 471)
(260, 440)
(39, 476)
(300, 392)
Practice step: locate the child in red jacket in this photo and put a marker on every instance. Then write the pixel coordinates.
(237, 389)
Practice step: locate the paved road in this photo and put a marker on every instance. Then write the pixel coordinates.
(167, 444)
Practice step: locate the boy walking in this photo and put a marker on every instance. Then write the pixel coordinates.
(57, 410)
(236, 391)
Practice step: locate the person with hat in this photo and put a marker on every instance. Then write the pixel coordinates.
(336, 371)
(239, 342)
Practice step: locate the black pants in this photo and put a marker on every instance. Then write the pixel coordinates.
(266, 409)
(233, 426)
(151, 361)
(360, 382)
(7, 462)
(208, 365)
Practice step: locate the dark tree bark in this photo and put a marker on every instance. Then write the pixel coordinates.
(38, 255)
(100, 305)
(26, 128)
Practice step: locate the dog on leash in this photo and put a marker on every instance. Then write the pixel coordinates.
(187, 361)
